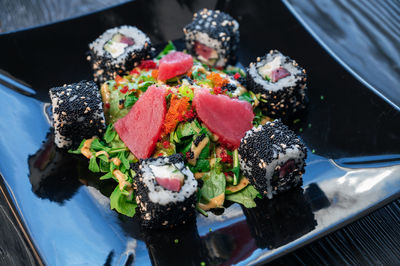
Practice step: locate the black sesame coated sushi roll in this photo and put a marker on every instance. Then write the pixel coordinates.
(272, 157)
(77, 113)
(165, 192)
(280, 82)
(213, 37)
(116, 51)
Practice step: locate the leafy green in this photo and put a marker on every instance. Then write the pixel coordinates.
(168, 48)
(122, 203)
(144, 85)
(98, 146)
(106, 176)
(245, 196)
(184, 130)
(110, 133)
(232, 70)
(78, 150)
(93, 166)
(115, 113)
(186, 91)
(124, 160)
(214, 184)
(258, 116)
(202, 165)
(205, 152)
(246, 97)
(130, 100)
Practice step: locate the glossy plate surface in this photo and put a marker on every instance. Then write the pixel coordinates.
(354, 166)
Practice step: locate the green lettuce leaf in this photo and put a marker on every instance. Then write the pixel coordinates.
(214, 185)
(245, 197)
(122, 204)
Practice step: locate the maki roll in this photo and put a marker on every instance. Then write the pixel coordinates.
(213, 37)
(165, 192)
(116, 51)
(280, 82)
(77, 113)
(272, 157)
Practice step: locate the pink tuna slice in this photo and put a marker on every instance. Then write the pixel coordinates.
(174, 64)
(228, 118)
(287, 168)
(279, 73)
(127, 40)
(203, 50)
(173, 183)
(141, 127)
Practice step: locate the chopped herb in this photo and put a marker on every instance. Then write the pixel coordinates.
(313, 151)
(322, 97)
(176, 241)
(309, 125)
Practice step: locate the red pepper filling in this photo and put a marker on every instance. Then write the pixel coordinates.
(203, 50)
(279, 73)
(286, 168)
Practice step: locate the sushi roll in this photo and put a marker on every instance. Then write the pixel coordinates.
(280, 82)
(213, 37)
(77, 113)
(165, 192)
(272, 157)
(116, 51)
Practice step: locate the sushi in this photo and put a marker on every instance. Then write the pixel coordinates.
(280, 82)
(213, 37)
(273, 158)
(165, 192)
(77, 113)
(116, 51)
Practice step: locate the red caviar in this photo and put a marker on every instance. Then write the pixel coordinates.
(237, 76)
(148, 64)
(166, 144)
(217, 90)
(134, 71)
(225, 157)
(124, 89)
